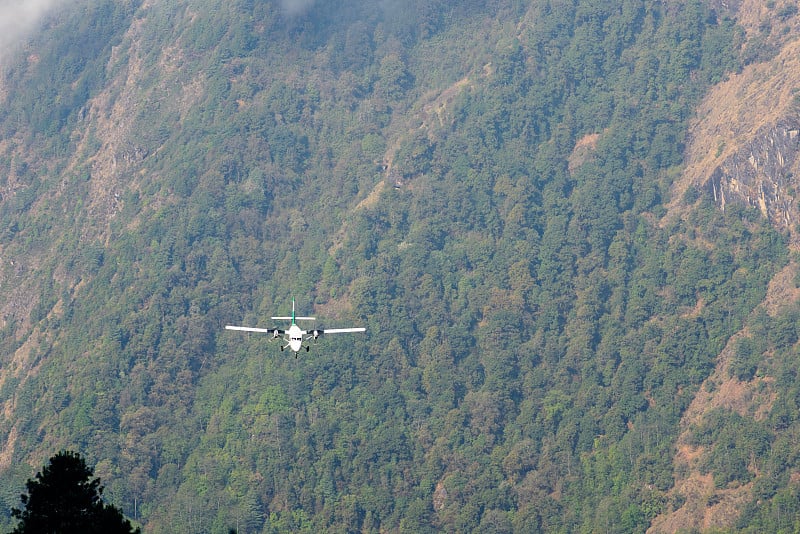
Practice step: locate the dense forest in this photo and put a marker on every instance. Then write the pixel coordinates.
(482, 185)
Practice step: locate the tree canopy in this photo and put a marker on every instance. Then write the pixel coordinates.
(64, 499)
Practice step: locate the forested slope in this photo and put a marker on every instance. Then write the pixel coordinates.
(483, 186)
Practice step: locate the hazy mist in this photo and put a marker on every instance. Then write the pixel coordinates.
(295, 7)
(19, 17)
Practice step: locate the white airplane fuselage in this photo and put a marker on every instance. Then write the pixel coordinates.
(295, 337)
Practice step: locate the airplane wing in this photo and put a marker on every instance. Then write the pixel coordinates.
(249, 329)
(342, 330)
(319, 331)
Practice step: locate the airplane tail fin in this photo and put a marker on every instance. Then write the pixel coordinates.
(294, 318)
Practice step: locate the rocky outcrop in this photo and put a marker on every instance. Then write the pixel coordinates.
(743, 145)
(764, 173)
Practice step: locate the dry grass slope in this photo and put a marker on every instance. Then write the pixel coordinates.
(729, 118)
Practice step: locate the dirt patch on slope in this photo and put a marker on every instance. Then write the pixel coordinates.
(704, 505)
(583, 150)
(782, 290)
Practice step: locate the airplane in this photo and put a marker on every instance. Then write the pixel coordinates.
(294, 336)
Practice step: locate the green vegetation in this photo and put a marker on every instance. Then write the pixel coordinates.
(535, 329)
(64, 498)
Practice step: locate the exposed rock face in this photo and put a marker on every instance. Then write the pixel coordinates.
(743, 146)
(764, 173)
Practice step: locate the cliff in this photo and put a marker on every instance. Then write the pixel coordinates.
(743, 146)
(763, 173)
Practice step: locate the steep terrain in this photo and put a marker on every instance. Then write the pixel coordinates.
(743, 149)
(746, 139)
(565, 329)
(706, 503)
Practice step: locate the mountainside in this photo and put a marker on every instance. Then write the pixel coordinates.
(748, 136)
(568, 227)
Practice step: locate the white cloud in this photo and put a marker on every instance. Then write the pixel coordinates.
(19, 17)
(295, 7)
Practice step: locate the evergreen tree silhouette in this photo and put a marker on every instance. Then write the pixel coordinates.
(64, 499)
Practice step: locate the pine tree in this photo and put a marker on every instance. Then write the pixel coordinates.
(64, 499)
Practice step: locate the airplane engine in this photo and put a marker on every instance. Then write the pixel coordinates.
(316, 333)
(276, 335)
